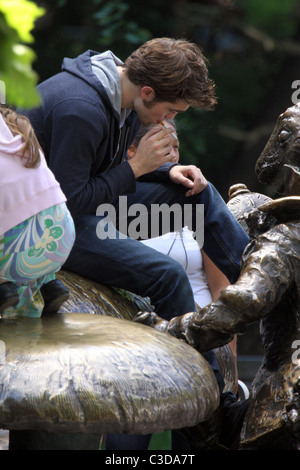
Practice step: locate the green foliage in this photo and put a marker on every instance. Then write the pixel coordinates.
(110, 17)
(17, 19)
(276, 18)
(161, 441)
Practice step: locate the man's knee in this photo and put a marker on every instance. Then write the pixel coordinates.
(174, 272)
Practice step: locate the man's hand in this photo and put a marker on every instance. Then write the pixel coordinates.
(154, 149)
(190, 176)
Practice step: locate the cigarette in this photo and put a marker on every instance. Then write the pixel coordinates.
(172, 133)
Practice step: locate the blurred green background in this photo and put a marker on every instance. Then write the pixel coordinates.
(253, 47)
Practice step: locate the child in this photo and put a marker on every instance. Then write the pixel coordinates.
(36, 228)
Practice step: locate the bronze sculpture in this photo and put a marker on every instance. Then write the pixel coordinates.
(68, 378)
(77, 373)
(268, 289)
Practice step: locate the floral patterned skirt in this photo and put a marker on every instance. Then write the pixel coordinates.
(31, 253)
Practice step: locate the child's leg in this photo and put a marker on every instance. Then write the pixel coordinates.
(33, 252)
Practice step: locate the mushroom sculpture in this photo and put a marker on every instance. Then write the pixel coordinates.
(69, 378)
(88, 296)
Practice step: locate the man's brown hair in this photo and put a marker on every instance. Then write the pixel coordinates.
(176, 69)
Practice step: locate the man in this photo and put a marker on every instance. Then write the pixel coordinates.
(89, 115)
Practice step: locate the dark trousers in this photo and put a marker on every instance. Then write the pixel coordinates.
(128, 264)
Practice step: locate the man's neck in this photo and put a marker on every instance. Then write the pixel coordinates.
(129, 90)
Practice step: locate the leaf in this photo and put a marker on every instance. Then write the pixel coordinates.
(18, 78)
(21, 16)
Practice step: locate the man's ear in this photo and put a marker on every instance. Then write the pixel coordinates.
(131, 151)
(147, 93)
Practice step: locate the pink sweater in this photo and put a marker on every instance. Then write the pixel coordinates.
(23, 191)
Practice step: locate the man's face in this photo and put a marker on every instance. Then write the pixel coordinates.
(150, 111)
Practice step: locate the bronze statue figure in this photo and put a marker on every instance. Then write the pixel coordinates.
(268, 289)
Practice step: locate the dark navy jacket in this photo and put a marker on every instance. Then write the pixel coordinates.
(79, 132)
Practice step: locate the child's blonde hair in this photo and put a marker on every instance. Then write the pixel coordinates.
(19, 124)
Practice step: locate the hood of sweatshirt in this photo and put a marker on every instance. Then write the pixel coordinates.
(100, 72)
